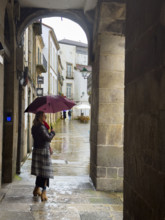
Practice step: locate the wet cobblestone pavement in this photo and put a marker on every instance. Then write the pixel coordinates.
(71, 195)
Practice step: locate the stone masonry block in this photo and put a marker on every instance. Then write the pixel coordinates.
(111, 95)
(110, 13)
(112, 10)
(110, 134)
(110, 156)
(106, 184)
(111, 184)
(110, 63)
(146, 54)
(111, 172)
(120, 172)
(111, 80)
(101, 172)
(112, 44)
(111, 113)
(139, 91)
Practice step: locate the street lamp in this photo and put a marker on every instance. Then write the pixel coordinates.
(85, 73)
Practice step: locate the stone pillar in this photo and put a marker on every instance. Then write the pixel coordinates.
(1, 112)
(2, 16)
(10, 129)
(108, 100)
(144, 141)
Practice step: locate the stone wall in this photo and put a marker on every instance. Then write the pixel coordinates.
(108, 98)
(2, 15)
(144, 145)
(10, 129)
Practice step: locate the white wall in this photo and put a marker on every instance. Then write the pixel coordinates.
(45, 36)
(53, 62)
(68, 54)
(80, 96)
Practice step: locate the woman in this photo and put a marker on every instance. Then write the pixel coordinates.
(41, 160)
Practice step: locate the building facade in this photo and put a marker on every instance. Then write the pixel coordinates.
(75, 86)
(50, 51)
(35, 64)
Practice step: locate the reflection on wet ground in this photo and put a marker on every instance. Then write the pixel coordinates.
(71, 195)
(71, 148)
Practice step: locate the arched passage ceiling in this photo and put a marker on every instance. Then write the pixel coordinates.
(85, 5)
(80, 11)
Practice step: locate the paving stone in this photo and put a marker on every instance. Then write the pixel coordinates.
(95, 216)
(69, 197)
(16, 216)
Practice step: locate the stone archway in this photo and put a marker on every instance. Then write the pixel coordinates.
(30, 15)
(106, 54)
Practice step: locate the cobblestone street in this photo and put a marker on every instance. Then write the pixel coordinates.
(71, 195)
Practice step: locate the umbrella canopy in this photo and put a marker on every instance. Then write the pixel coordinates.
(50, 104)
(83, 106)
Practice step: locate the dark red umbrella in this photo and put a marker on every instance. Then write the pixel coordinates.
(50, 104)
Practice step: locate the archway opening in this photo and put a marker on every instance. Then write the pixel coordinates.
(57, 61)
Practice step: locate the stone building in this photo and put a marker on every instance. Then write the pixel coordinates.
(50, 51)
(60, 76)
(127, 93)
(72, 54)
(34, 64)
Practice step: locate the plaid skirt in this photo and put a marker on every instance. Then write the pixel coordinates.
(41, 163)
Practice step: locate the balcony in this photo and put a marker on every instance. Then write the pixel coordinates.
(37, 27)
(41, 67)
(69, 77)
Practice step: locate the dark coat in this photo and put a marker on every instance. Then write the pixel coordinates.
(41, 159)
(41, 136)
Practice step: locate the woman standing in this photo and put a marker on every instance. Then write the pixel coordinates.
(41, 160)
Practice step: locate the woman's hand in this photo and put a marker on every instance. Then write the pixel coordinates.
(52, 131)
(51, 151)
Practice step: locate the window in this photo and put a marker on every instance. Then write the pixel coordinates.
(82, 50)
(38, 55)
(69, 70)
(69, 90)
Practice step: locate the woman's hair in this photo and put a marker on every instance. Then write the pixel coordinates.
(38, 118)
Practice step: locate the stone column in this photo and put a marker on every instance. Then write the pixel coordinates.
(10, 129)
(108, 100)
(1, 112)
(2, 16)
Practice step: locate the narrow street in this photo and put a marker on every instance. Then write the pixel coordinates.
(71, 195)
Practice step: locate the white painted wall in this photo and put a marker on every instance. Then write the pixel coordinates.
(53, 62)
(45, 36)
(68, 55)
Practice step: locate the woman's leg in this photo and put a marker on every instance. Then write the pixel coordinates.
(43, 195)
(36, 190)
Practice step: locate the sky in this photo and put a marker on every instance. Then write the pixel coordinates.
(65, 28)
